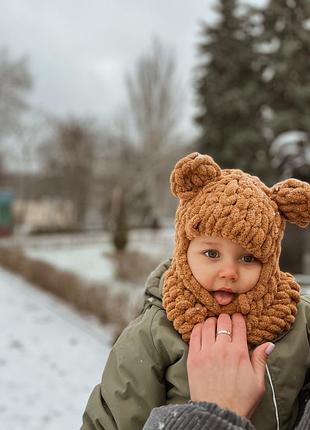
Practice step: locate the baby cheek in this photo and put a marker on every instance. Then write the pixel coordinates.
(253, 279)
(201, 277)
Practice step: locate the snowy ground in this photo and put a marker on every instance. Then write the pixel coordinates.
(88, 255)
(49, 361)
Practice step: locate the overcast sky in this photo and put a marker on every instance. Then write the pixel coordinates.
(79, 50)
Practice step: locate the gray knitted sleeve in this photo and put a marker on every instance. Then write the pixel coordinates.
(195, 416)
(305, 420)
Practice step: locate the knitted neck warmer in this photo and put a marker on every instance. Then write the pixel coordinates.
(236, 206)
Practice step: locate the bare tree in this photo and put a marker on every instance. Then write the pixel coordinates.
(155, 109)
(15, 81)
(154, 98)
(68, 157)
(118, 170)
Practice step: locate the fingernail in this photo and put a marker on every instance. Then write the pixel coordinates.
(269, 348)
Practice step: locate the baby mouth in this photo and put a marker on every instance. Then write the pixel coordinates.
(223, 297)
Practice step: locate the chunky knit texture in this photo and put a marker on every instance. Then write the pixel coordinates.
(234, 205)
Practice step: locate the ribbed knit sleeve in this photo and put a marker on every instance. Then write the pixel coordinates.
(195, 416)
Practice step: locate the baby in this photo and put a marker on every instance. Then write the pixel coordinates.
(229, 228)
(222, 267)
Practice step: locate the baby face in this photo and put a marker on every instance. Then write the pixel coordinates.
(222, 267)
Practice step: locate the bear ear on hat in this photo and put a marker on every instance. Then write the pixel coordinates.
(192, 173)
(293, 199)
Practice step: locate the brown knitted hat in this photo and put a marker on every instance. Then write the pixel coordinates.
(234, 205)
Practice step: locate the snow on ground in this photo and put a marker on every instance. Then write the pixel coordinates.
(90, 259)
(86, 260)
(50, 359)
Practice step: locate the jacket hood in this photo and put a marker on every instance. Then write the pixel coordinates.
(154, 286)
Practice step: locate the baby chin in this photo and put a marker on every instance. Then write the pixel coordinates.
(223, 297)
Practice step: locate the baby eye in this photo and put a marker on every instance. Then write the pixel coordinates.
(212, 253)
(248, 258)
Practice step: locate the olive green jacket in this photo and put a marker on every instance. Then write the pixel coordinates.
(147, 368)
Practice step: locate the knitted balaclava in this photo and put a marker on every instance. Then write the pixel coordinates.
(234, 205)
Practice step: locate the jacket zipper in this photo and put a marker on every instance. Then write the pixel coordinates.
(273, 398)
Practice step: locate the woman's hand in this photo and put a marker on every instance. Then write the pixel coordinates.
(220, 369)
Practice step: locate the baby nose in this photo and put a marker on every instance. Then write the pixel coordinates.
(229, 272)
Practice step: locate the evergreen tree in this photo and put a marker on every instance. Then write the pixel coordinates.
(286, 66)
(286, 70)
(230, 94)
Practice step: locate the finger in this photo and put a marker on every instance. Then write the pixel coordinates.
(239, 335)
(208, 332)
(223, 325)
(195, 339)
(259, 359)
